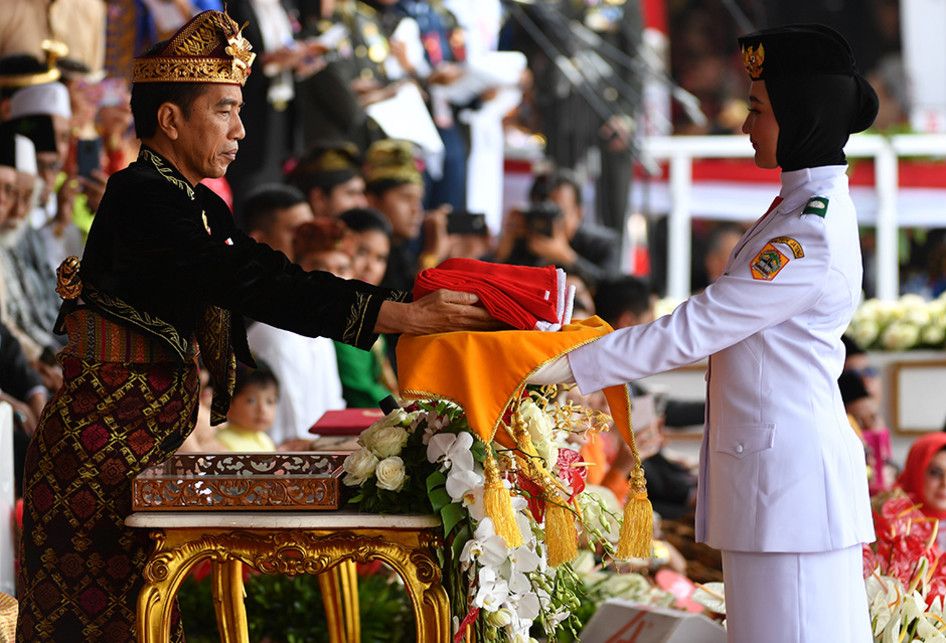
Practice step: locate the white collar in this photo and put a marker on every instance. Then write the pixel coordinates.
(793, 181)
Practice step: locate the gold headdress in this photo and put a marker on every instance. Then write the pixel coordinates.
(208, 49)
(391, 159)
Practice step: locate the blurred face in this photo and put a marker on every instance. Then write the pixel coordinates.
(860, 364)
(761, 126)
(934, 485)
(283, 228)
(48, 164)
(63, 130)
(345, 196)
(206, 141)
(717, 259)
(25, 189)
(370, 256)
(566, 199)
(337, 262)
(864, 412)
(8, 192)
(402, 206)
(254, 407)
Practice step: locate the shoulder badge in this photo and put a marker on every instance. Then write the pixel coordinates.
(766, 265)
(797, 251)
(817, 205)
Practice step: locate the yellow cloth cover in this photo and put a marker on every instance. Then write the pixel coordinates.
(484, 371)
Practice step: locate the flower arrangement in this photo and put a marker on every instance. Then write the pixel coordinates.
(906, 581)
(909, 322)
(503, 584)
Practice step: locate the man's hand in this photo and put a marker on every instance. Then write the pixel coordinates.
(439, 312)
(555, 249)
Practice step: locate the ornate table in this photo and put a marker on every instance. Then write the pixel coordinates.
(324, 543)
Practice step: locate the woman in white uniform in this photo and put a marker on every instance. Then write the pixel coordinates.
(783, 484)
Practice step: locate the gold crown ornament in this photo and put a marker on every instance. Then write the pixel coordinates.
(391, 159)
(753, 59)
(208, 49)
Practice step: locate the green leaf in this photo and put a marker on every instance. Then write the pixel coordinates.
(436, 479)
(451, 514)
(439, 498)
(461, 538)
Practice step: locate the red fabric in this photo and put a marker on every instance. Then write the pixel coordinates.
(914, 471)
(512, 294)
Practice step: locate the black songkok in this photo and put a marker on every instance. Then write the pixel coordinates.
(817, 94)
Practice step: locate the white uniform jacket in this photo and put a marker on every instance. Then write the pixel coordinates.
(781, 470)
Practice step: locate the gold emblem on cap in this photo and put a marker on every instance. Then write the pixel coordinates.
(753, 59)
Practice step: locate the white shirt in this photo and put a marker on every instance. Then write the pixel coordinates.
(307, 371)
(780, 468)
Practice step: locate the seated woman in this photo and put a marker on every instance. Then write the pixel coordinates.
(924, 478)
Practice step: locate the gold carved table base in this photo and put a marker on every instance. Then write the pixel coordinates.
(309, 544)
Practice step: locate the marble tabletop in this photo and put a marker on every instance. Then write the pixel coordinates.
(333, 520)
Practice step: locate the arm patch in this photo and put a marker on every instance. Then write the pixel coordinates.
(817, 205)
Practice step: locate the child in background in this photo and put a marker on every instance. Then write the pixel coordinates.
(252, 411)
(367, 376)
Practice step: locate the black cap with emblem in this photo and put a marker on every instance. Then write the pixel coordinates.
(817, 94)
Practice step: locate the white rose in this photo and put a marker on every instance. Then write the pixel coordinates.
(386, 441)
(933, 335)
(900, 336)
(359, 466)
(391, 474)
(864, 332)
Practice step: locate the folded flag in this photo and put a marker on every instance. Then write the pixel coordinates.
(525, 297)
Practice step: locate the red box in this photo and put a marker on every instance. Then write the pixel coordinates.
(346, 421)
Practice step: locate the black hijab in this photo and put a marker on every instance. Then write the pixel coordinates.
(818, 97)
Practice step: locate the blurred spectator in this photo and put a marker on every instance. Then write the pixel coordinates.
(722, 242)
(23, 27)
(369, 243)
(554, 231)
(924, 479)
(863, 411)
(305, 366)
(272, 213)
(203, 439)
(318, 245)
(252, 412)
(856, 360)
(628, 301)
(889, 80)
(367, 376)
(396, 190)
(335, 92)
(80, 26)
(329, 174)
(29, 303)
(268, 95)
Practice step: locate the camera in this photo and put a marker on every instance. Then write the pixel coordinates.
(467, 223)
(541, 217)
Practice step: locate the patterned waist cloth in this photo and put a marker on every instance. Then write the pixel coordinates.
(93, 337)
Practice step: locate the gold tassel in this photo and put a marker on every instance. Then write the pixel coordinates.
(637, 530)
(498, 504)
(561, 536)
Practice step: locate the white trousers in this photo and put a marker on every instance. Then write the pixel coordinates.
(796, 598)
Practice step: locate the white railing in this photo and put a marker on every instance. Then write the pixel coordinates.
(681, 150)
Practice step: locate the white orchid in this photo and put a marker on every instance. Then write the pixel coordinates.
(493, 591)
(451, 450)
(461, 482)
(522, 560)
(485, 548)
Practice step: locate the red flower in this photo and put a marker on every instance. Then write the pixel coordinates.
(535, 496)
(571, 474)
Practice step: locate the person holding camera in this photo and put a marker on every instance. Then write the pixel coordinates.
(553, 231)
